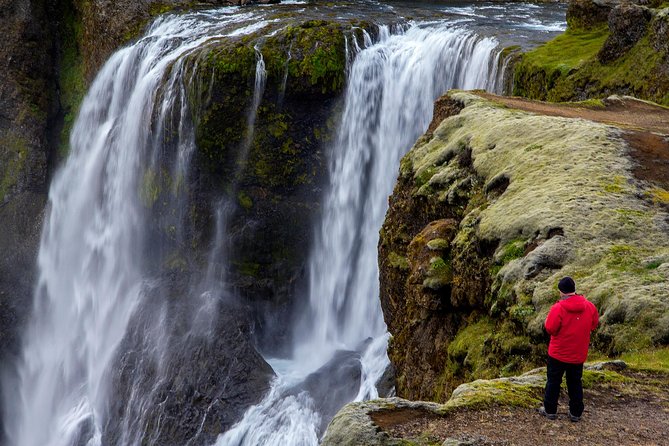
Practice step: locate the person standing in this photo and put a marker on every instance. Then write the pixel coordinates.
(569, 323)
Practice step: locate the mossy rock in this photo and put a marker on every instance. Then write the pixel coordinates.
(527, 174)
(573, 67)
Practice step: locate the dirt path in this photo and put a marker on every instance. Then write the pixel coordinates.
(646, 128)
(626, 112)
(629, 414)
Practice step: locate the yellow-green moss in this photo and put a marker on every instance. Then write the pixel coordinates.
(244, 200)
(483, 393)
(655, 360)
(398, 261)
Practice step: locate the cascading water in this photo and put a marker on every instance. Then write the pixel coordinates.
(340, 343)
(94, 268)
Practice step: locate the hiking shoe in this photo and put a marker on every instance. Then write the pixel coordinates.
(574, 418)
(550, 416)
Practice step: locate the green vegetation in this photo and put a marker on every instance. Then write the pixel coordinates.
(480, 394)
(244, 200)
(566, 68)
(655, 360)
(398, 261)
(71, 80)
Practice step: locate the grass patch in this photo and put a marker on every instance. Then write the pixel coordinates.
(652, 360)
(568, 50)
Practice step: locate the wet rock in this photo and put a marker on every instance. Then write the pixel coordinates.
(334, 384)
(354, 424)
(197, 382)
(26, 89)
(627, 24)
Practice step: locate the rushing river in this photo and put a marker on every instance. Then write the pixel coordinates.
(93, 255)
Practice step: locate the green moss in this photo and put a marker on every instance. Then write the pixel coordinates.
(251, 269)
(653, 360)
(539, 69)
(150, 188)
(244, 200)
(484, 393)
(597, 378)
(533, 147)
(72, 81)
(398, 261)
(515, 249)
(567, 68)
(521, 313)
(659, 195)
(438, 244)
(623, 257)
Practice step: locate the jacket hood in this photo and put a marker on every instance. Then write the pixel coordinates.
(574, 304)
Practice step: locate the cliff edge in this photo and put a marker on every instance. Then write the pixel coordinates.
(497, 201)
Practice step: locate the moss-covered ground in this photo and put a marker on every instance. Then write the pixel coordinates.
(567, 68)
(504, 411)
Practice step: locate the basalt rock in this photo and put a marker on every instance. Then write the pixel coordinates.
(26, 107)
(627, 25)
(588, 14)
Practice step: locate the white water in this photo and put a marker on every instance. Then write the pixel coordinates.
(92, 272)
(391, 90)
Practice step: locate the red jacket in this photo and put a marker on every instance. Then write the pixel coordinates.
(569, 322)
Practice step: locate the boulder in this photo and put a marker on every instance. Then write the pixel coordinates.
(627, 24)
(588, 14)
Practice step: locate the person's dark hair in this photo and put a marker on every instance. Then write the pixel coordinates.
(567, 285)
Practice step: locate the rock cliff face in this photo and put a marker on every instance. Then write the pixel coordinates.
(608, 48)
(26, 110)
(492, 206)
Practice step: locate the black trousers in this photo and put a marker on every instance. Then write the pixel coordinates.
(555, 370)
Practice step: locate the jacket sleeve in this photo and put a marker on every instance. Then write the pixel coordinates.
(554, 320)
(595, 317)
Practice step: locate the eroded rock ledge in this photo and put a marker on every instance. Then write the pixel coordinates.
(504, 411)
(491, 208)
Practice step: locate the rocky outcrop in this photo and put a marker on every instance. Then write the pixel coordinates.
(593, 60)
(500, 411)
(627, 25)
(196, 386)
(491, 209)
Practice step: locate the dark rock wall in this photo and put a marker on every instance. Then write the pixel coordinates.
(26, 108)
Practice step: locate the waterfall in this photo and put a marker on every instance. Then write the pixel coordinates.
(96, 262)
(340, 342)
